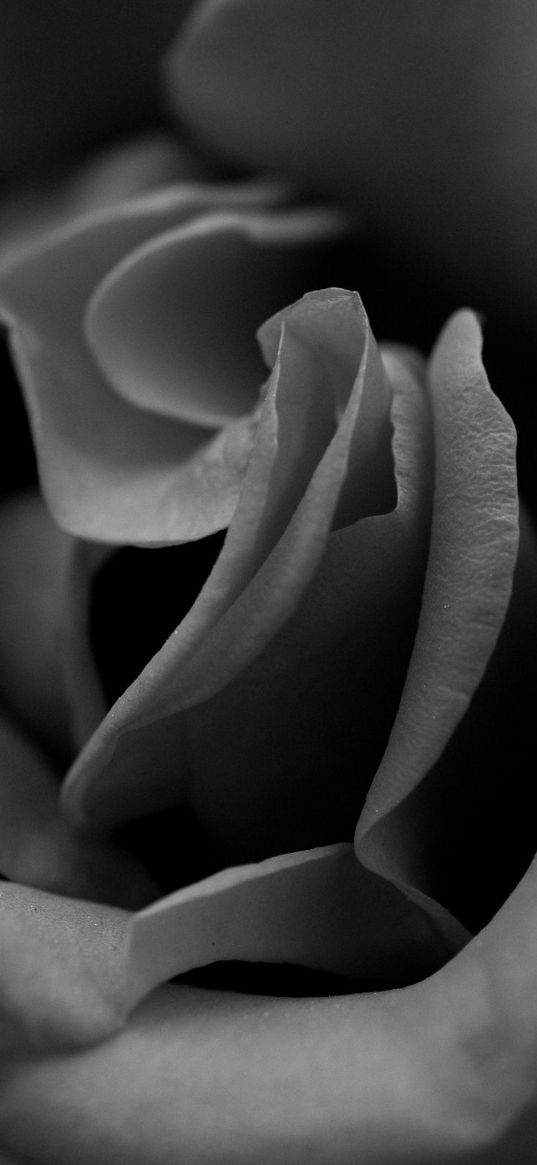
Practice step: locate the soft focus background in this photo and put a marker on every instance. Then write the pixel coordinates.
(79, 77)
(74, 78)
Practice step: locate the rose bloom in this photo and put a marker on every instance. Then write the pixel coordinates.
(325, 717)
(299, 734)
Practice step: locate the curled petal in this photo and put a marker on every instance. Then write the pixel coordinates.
(169, 325)
(194, 718)
(111, 471)
(288, 504)
(317, 908)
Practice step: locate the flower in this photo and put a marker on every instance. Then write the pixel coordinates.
(362, 649)
(371, 549)
(420, 119)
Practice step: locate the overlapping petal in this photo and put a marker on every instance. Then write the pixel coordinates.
(407, 1076)
(302, 554)
(110, 469)
(302, 463)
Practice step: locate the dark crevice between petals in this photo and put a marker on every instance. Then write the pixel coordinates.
(17, 458)
(275, 979)
(139, 596)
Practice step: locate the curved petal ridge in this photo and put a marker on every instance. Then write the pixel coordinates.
(110, 472)
(317, 908)
(170, 324)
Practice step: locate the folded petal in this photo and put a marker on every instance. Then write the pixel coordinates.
(109, 471)
(317, 908)
(170, 325)
(440, 1071)
(298, 470)
(310, 619)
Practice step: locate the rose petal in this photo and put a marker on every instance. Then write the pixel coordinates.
(440, 1071)
(170, 326)
(62, 972)
(318, 908)
(215, 664)
(468, 585)
(110, 472)
(269, 557)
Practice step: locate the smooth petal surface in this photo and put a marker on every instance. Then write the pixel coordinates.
(111, 471)
(62, 973)
(436, 1072)
(422, 118)
(170, 325)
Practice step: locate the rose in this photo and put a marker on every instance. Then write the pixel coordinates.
(420, 117)
(413, 1042)
(73, 75)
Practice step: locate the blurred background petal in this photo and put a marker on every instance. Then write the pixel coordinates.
(422, 116)
(75, 73)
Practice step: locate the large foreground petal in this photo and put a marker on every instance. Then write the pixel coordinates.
(437, 1072)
